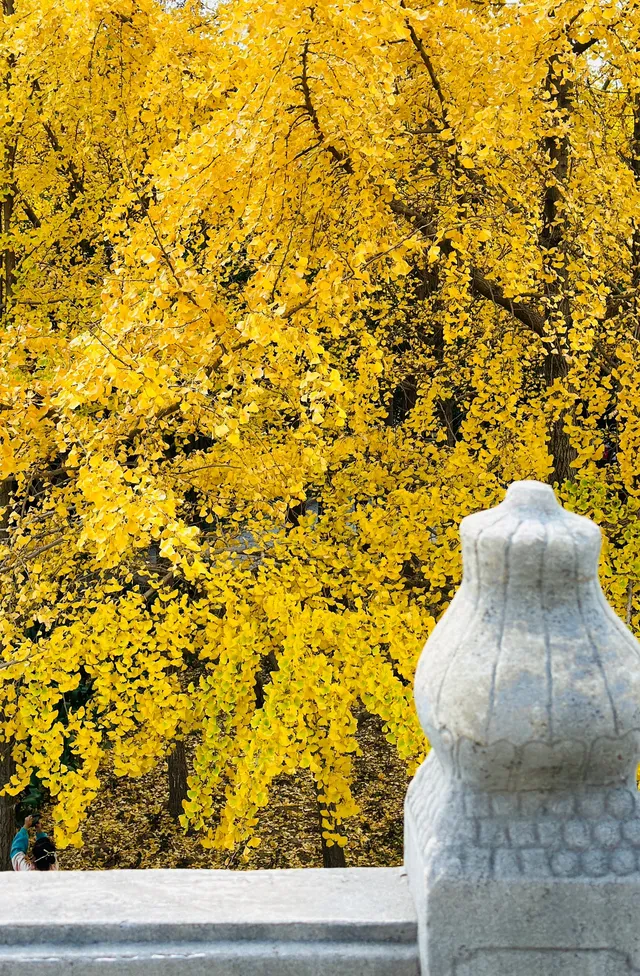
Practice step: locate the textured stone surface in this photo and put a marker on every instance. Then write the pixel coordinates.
(522, 828)
(535, 962)
(530, 679)
(555, 925)
(537, 834)
(358, 921)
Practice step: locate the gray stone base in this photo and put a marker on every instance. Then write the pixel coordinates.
(523, 883)
(502, 928)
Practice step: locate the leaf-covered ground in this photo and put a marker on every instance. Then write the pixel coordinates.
(129, 825)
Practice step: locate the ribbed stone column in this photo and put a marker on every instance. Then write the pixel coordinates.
(522, 828)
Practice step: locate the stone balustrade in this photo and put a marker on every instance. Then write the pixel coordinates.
(522, 827)
(208, 923)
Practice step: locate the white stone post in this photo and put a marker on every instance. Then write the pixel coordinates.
(522, 828)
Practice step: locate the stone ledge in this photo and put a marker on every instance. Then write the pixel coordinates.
(216, 959)
(358, 921)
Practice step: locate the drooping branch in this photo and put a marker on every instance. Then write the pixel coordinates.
(426, 60)
(635, 166)
(445, 120)
(482, 286)
(8, 256)
(628, 300)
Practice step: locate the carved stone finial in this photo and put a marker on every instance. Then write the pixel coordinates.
(522, 827)
(530, 681)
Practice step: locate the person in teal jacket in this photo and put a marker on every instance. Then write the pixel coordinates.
(43, 857)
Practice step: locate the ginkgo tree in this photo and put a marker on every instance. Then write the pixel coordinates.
(306, 285)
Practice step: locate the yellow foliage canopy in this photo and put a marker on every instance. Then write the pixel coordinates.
(288, 289)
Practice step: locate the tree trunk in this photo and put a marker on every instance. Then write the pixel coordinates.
(268, 664)
(332, 857)
(7, 803)
(403, 400)
(553, 244)
(560, 448)
(7, 807)
(178, 772)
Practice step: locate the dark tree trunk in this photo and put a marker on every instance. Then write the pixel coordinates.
(332, 857)
(7, 807)
(446, 406)
(258, 690)
(562, 451)
(560, 448)
(178, 772)
(553, 245)
(403, 400)
(268, 665)
(7, 803)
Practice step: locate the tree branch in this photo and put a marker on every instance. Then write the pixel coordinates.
(76, 185)
(437, 87)
(482, 286)
(524, 313)
(32, 216)
(579, 47)
(341, 159)
(426, 60)
(24, 557)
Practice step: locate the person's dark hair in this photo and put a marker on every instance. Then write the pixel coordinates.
(44, 854)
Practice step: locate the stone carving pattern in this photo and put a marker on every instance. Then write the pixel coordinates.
(595, 834)
(529, 679)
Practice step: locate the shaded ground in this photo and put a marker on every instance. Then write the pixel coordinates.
(129, 827)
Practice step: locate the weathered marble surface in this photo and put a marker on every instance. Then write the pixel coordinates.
(522, 828)
(358, 921)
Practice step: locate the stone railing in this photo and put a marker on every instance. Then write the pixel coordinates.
(522, 828)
